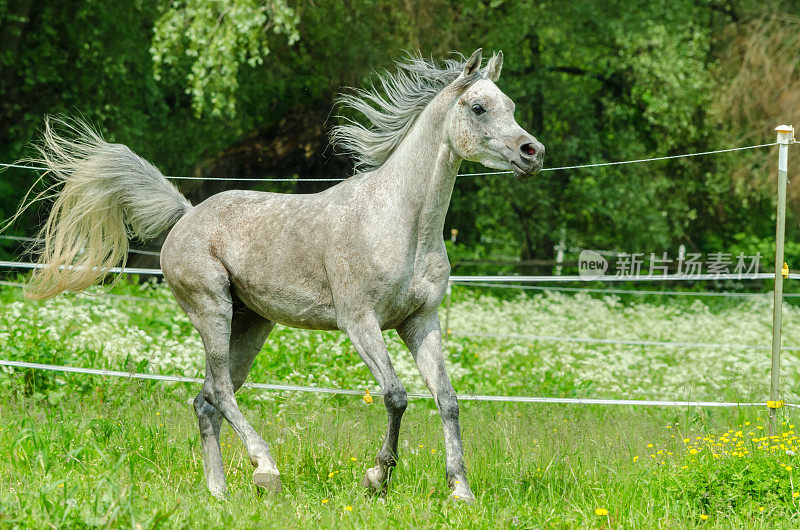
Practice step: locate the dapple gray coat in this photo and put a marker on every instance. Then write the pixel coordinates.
(363, 256)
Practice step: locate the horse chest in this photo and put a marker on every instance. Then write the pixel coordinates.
(428, 282)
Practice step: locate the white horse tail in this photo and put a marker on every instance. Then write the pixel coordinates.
(104, 193)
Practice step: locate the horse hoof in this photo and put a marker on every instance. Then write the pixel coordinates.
(219, 493)
(375, 481)
(462, 493)
(267, 481)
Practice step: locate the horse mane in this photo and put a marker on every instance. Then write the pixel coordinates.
(391, 106)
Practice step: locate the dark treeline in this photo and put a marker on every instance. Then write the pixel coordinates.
(245, 89)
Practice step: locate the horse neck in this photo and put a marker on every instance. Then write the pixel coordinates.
(422, 172)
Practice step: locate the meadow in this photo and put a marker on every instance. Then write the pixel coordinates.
(94, 451)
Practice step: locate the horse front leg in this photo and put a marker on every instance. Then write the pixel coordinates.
(367, 339)
(423, 337)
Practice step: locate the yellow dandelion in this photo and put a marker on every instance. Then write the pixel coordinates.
(367, 399)
(601, 512)
(433, 451)
(686, 440)
(324, 501)
(649, 445)
(332, 473)
(692, 451)
(704, 517)
(796, 494)
(353, 458)
(348, 508)
(635, 458)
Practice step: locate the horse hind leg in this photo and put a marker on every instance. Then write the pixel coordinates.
(230, 344)
(249, 331)
(209, 421)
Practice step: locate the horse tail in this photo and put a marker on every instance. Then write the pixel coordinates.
(104, 193)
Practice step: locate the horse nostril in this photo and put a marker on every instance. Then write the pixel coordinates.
(528, 149)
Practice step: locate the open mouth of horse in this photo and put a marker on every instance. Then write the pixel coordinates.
(521, 173)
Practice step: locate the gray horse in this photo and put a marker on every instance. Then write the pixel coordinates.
(363, 256)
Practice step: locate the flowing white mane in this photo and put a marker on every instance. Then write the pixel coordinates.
(391, 107)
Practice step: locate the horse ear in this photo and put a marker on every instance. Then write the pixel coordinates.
(495, 66)
(473, 63)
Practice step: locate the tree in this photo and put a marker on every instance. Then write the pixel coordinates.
(215, 38)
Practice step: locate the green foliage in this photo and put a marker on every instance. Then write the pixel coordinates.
(182, 82)
(742, 468)
(215, 38)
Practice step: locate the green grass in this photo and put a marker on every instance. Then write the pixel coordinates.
(91, 451)
(127, 454)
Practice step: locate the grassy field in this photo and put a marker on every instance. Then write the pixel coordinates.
(84, 450)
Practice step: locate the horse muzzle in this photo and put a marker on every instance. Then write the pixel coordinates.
(530, 159)
(527, 171)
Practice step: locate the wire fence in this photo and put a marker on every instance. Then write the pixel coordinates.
(485, 281)
(506, 336)
(619, 341)
(411, 395)
(479, 174)
(23, 239)
(598, 290)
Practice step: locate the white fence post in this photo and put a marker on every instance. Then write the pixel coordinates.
(785, 136)
(447, 332)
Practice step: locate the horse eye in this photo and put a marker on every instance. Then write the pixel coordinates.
(478, 110)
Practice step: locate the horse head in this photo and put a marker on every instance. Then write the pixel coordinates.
(481, 125)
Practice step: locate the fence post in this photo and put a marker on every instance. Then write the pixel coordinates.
(785, 136)
(447, 332)
(560, 248)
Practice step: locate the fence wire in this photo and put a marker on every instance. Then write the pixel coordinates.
(24, 239)
(472, 280)
(642, 292)
(411, 395)
(480, 279)
(626, 342)
(485, 173)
